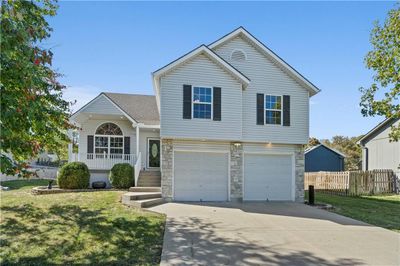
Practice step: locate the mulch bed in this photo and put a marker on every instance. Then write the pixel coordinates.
(43, 190)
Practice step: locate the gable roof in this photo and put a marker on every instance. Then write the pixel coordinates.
(378, 128)
(195, 52)
(323, 145)
(268, 52)
(137, 108)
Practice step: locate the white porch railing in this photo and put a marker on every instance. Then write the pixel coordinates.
(105, 161)
(138, 166)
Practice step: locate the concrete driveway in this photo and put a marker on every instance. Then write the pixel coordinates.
(271, 234)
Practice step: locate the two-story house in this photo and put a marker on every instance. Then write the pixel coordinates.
(228, 122)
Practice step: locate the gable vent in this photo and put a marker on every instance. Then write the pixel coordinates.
(238, 55)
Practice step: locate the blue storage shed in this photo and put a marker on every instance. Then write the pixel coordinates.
(323, 158)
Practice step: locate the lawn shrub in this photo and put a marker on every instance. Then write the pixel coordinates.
(121, 175)
(74, 175)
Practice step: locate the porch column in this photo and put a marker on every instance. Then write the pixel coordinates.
(70, 159)
(137, 140)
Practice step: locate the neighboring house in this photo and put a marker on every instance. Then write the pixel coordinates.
(323, 158)
(377, 151)
(46, 157)
(233, 121)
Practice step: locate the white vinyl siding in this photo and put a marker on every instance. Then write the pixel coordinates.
(267, 78)
(383, 154)
(102, 105)
(200, 71)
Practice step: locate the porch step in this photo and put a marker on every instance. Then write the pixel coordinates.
(142, 199)
(150, 173)
(140, 195)
(149, 184)
(145, 189)
(149, 179)
(145, 203)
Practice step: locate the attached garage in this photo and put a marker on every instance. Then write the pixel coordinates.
(201, 176)
(268, 177)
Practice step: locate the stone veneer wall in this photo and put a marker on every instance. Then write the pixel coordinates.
(236, 164)
(299, 174)
(166, 168)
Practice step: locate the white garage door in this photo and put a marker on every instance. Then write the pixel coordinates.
(200, 176)
(268, 177)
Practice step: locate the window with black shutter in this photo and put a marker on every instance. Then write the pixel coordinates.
(187, 101)
(217, 104)
(260, 109)
(286, 110)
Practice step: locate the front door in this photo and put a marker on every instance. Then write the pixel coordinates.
(153, 153)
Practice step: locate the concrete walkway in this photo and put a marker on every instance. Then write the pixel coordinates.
(271, 234)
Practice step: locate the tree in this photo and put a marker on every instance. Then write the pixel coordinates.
(34, 116)
(384, 60)
(312, 141)
(349, 147)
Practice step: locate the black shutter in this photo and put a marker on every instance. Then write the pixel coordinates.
(217, 104)
(260, 109)
(127, 145)
(286, 110)
(90, 144)
(187, 101)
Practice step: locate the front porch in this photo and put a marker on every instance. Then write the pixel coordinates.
(96, 161)
(104, 141)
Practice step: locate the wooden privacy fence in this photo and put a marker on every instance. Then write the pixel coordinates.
(352, 183)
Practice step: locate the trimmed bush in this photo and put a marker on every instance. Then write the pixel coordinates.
(121, 175)
(74, 175)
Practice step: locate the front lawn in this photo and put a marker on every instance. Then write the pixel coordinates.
(75, 228)
(383, 211)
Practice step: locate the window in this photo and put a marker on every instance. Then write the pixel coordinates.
(108, 129)
(108, 140)
(273, 110)
(202, 102)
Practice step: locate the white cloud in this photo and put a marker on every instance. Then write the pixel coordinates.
(82, 95)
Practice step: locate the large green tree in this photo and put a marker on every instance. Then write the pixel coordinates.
(382, 97)
(34, 116)
(312, 141)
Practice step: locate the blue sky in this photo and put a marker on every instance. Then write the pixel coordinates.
(114, 46)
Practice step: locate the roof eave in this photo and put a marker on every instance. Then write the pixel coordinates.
(365, 138)
(73, 116)
(169, 67)
(241, 30)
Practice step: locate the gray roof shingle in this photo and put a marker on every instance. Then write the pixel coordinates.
(142, 108)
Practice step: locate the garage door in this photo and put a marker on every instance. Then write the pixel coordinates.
(267, 177)
(200, 176)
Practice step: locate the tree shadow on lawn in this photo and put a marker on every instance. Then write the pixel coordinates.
(196, 242)
(70, 234)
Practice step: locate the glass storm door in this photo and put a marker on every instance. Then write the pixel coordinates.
(153, 153)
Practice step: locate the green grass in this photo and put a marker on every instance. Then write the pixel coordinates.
(382, 210)
(75, 228)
